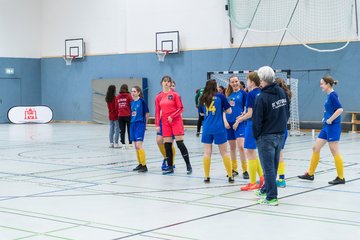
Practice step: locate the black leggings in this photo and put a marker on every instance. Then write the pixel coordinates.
(124, 122)
(199, 123)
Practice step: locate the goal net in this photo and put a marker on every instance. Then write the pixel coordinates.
(222, 79)
(307, 21)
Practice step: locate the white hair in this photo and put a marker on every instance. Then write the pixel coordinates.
(266, 74)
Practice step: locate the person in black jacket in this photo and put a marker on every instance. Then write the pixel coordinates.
(270, 116)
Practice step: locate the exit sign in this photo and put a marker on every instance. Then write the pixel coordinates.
(9, 71)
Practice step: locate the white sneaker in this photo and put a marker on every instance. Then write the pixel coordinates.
(130, 146)
(111, 145)
(116, 145)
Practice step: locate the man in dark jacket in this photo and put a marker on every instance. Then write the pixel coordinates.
(270, 115)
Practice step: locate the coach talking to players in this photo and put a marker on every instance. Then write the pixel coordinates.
(270, 116)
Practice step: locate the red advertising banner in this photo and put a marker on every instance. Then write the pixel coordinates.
(30, 114)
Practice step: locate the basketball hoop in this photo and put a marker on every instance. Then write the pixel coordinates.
(68, 59)
(161, 55)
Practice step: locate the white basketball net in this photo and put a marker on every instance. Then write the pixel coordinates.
(68, 59)
(161, 55)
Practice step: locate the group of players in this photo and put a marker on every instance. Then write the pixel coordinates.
(228, 119)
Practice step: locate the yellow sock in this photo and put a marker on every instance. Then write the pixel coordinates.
(227, 164)
(207, 166)
(244, 166)
(315, 158)
(252, 170)
(174, 152)
(162, 150)
(259, 168)
(138, 156)
(234, 165)
(339, 166)
(281, 168)
(142, 156)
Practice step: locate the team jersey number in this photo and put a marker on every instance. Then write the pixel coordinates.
(211, 109)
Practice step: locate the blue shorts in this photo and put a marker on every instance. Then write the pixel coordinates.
(330, 133)
(238, 133)
(250, 142)
(218, 139)
(285, 137)
(137, 131)
(160, 132)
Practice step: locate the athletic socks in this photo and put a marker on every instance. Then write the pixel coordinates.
(138, 156)
(162, 150)
(184, 152)
(259, 168)
(207, 161)
(227, 164)
(252, 170)
(173, 152)
(315, 158)
(244, 166)
(234, 165)
(281, 170)
(142, 156)
(339, 166)
(169, 153)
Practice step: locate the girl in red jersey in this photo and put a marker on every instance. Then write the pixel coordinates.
(168, 109)
(124, 105)
(160, 140)
(113, 113)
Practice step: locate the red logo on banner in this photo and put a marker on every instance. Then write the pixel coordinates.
(30, 113)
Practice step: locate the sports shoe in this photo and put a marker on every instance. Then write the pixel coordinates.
(261, 181)
(164, 165)
(111, 145)
(169, 170)
(116, 145)
(259, 194)
(272, 202)
(137, 168)
(197, 134)
(281, 183)
(143, 169)
(188, 170)
(235, 173)
(306, 176)
(337, 180)
(231, 180)
(250, 187)
(245, 175)
(207, 180)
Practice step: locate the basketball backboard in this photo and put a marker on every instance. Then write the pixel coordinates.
(167, 41)
(75, 48)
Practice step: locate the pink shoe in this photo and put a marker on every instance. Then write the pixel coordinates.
(262, 181)
(250, 187)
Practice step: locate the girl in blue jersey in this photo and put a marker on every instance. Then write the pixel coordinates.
(212, 105)
(281, 169)
(139, 118)
(329, 134)
(236, 132)
(253, 83)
